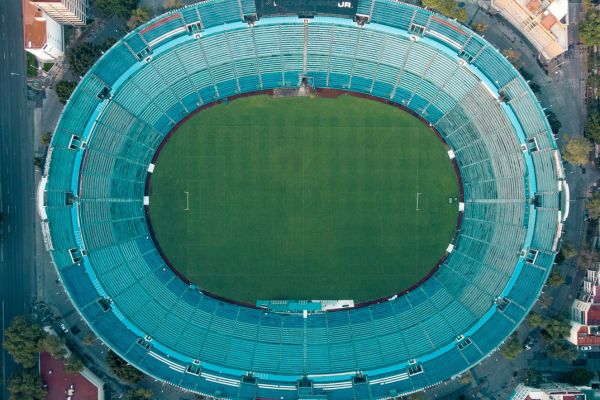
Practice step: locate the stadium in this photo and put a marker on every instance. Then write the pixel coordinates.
(96, 198)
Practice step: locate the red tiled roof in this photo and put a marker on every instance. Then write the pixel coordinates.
(534, 5)
(58, 381)
(596, 294)
(588, 341)
(593, 315)
(34, 26)
(548, 21)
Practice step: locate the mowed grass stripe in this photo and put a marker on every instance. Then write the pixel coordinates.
(303, 198)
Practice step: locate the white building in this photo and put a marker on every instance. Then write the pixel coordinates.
(65, 12)
(543, 22)
(585, 312)
(548, 391)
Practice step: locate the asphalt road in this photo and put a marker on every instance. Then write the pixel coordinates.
(16, 178)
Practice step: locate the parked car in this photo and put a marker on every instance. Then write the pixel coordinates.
(530, 341)
(64, 327)
(585, 348)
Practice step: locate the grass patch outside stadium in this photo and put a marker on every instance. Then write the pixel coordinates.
(303, 198)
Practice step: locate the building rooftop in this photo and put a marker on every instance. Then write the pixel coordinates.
(34, 26)
(548, 391)
(543, 22)
(593, 315)
(62, 385)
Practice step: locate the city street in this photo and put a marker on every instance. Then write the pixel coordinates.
(16, 178)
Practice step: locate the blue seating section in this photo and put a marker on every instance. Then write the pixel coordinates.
(157, 75)
(217, 12)
(167, 26)
(109, 69)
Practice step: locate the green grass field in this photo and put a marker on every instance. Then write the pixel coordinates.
(303, 198)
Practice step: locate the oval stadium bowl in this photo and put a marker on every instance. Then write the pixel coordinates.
(94, 199)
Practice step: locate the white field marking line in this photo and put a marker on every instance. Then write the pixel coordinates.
(187, 201)
(418, 194)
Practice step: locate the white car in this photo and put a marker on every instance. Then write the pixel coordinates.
(64, 327)
(530, 341)
(585, 348)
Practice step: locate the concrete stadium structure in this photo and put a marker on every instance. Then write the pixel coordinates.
(93, 200)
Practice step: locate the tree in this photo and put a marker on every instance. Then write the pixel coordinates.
(561, 350)
(21, 340)
(27, 385)
(89, 339)
(512, 347)
(107, 43)
(122, 8)
(53, 345)
(171, 5)
(557, 329)
(514, 57)
(589, 29)
(553, 121)
(122, 370)
(46, 138)
(576, 151)
(578, 377)
(466, 378)
(38, 162)
(533, 378)
(593, 206)
(593, 80)
(592, 127)
(479, 27)
(82, 57)
(73, 364)
(447, 7)
(535, 320)
(64, 89)
(586, 255)
(568, 250)
(138, 394)
(555, 279)
(545, 301)
(138, 17)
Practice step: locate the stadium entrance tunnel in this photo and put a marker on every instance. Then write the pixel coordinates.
(94, 199)
(319, 197)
